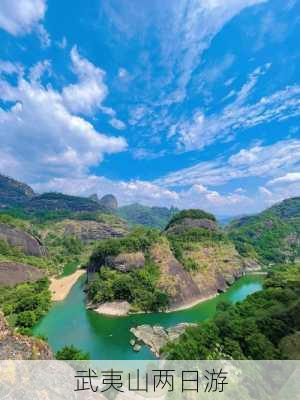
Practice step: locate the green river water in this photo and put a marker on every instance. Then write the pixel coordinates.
(68, 322)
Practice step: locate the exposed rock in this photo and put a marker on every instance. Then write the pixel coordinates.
(126, 262)
(94, 197)
(113, 308)
(174, 280)
(18, 347)
(109, 202)
(62, 202)
(219, 267)
(137, 347)
(157, 337)
(189, 223)
(88, 231)
(18, 238)
(13, 193)
(12, 273)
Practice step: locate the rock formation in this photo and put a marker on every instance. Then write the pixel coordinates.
(18, 347)
(156, 337)
(109, 202)
(18, 238)
(12, 273)
(126, 262)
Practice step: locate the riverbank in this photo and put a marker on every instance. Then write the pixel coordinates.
(61, 287)
(108, 338)
(113, 309)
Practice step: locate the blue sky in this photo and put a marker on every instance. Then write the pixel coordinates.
(191, 103)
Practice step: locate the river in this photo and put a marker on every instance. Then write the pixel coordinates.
(68, 322)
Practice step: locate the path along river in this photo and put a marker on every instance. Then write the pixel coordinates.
(68, 322)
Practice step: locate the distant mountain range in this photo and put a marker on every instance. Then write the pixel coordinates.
(272, 236)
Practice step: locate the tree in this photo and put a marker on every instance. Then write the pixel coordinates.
(71, 353)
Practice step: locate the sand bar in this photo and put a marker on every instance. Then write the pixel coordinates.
(60, 288)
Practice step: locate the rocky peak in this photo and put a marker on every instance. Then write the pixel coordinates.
(13, 193)
(109, 202)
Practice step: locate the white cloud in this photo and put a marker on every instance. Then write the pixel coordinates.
(237, 116)
(39, 69)
(288, 178)
(19, 17)
(258, 161)
(86, 96)
(41, 138)
(44, 36)
(117, 123)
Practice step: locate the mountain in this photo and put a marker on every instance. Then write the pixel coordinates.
(155, 217)
(62, 202)
(272, 236)
(192, 259)
(109, 202)
(13, 193)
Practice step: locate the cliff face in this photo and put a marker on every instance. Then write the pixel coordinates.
(89, 231)
(13, 273)
(217, 268)
(62, 202)
(13, 193)
(109, 202)
(18, 238)
(19, 347)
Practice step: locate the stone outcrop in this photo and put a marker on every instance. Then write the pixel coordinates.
(88, 231)
(190, 223)
(156, 337)
(18, 347)
(109, 202)
(126, 262)
(13, 193)
(23, 240)
(12, 273)
(62, 202)
(174, 280)
(218, 267)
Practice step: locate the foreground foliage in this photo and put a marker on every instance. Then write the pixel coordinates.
(138, 286)
(262, 327)
(24, 304)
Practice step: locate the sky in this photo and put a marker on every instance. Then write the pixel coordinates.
(186, 103)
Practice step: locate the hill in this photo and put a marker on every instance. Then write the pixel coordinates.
(13, 193)
(154, 217)
(272, 236)
(192, 259)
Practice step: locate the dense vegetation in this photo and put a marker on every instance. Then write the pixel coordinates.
(140, 239)
(193, 214)
(262, 327)
(272, 236)
(138, 286)
(154, 217)
(71, 353)
(189, 240)
(24, 304)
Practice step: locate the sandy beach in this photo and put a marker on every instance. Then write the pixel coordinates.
(192, 303)
(114, 308)
(60, 288)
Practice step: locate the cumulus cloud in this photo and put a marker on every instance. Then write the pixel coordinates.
(19, 17)
(41, 138)
(87, 94)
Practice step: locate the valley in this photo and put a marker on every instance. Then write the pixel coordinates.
(67, 262)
